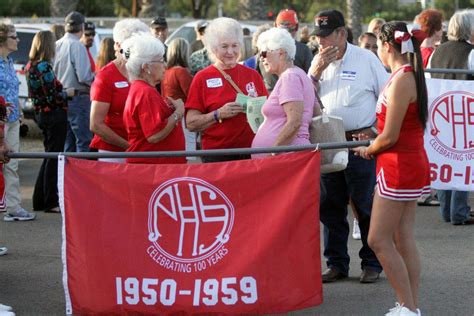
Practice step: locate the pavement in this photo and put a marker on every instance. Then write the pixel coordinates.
(31, 272)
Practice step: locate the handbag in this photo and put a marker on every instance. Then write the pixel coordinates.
(326, 128)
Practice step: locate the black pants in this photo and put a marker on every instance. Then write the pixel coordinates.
(207, 159)
(54, 127)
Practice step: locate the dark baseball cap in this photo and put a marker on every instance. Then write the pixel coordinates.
(89, 26)
(74, 18)
(325, 22)
(159, 21)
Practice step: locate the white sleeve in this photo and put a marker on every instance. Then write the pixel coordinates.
(470, 60)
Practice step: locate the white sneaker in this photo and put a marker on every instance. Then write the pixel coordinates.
(5, 308)
(395, 311)
(406, 312)
(3, 251)
(20, 215)
(356, 230)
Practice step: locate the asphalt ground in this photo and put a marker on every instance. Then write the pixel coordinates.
(31, 272)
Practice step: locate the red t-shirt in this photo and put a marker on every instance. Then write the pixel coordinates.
(110, 86)
(426, 54)
(91, 59)
(145, 114)
(209, 91)
(176, 82)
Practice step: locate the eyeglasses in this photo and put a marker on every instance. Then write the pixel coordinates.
(264, 53)
(13, 37)
(161, 61)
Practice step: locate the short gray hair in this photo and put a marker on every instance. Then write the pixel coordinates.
(125, 28)
(140, 49)
(276, 38)
(460, 26)
(219, 29)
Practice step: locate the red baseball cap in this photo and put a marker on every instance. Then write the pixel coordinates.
(287, 19)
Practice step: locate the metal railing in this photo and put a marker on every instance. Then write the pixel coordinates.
(192, 153)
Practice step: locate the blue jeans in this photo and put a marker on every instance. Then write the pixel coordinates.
(79, 136)
(453, 206)
(357, 182)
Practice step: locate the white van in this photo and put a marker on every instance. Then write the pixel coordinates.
(25, 33)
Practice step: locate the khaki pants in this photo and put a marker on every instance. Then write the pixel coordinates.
(10, 170)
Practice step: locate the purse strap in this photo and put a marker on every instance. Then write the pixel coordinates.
(229, 79)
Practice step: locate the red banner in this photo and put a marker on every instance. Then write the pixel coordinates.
(234, 237)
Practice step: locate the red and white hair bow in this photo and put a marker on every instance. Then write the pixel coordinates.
(404, 38)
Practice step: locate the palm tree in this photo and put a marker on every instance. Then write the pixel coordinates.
(252, 9)
(60, 8)
(151, 8)
(354, 14)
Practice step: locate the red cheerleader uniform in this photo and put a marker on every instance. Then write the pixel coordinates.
(403, 169)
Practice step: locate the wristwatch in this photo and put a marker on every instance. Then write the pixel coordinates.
(176, 118)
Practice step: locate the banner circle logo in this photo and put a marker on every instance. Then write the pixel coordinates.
(452, 121)
(189, 219)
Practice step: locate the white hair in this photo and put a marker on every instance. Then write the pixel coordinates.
(460, 26)
(141, 49)
(125, 28)
(220, 29)
(276, 38)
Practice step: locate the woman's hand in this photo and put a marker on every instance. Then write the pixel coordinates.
(362, 152)
(230, 110)
(178, 105)
(70, 92)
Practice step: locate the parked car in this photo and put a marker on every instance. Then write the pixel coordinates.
(26, 32)
(187, 32)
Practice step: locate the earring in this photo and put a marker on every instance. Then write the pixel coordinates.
(148, 72)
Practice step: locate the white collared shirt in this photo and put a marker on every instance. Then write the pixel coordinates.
(349, 87)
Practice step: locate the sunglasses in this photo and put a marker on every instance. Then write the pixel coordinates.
(263, 54)
(13, 37)
(89, 34)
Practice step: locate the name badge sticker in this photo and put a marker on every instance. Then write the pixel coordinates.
(348, 75)
(121, 84)
(214, 82)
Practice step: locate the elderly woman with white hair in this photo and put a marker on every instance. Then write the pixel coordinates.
(211, 107)
(109, 92)
(289, 109)
(152, 123)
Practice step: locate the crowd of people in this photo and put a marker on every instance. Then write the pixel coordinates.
(142, 95)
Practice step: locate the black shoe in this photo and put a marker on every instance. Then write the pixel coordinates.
(369, 276)
(331, 275)
(469, 221)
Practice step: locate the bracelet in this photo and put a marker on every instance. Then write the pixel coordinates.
(374, 129)
(216, 117)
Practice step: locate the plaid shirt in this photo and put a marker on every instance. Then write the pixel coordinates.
(198, 61)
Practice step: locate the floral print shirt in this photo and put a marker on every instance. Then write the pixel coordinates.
(9, 85)
(44, 88)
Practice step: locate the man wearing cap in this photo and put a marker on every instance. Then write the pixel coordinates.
(159, 28)
(288, 19)
(87, 39)
(349, 80)
(200, 29)
(73, 69)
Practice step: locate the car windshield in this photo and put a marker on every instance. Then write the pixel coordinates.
(21, 55)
